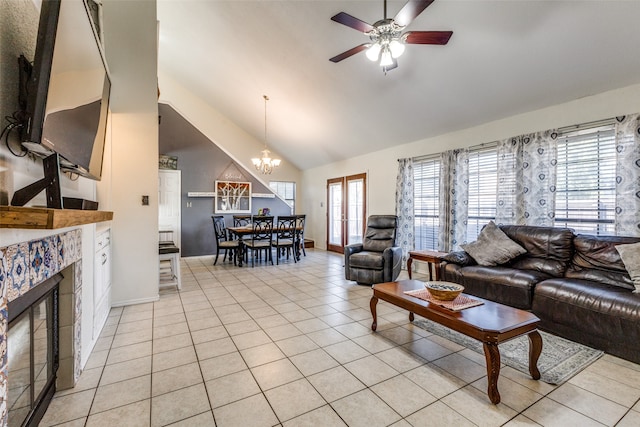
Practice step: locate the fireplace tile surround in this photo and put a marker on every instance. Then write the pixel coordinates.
(22, 267)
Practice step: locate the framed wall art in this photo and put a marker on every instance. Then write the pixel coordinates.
(233, 197)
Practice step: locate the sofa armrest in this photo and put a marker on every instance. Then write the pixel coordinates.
(392, 258)
(348, 251)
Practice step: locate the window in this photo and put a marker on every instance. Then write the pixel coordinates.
(586, 180)
(426, 190)
(483, 188)
(286, 190)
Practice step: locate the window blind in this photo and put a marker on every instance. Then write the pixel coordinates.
(586, 180)
(483, 187)
(426, 179)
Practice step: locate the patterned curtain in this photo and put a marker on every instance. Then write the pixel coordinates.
(405, 237)
(527, 179)
(454, 199)
(628, 175)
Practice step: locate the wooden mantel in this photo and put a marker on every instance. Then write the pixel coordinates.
(48, 219)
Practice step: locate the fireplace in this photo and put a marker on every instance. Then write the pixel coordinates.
(32, 349)
(40, 316)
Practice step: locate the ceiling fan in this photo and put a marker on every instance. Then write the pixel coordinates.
(387, 40)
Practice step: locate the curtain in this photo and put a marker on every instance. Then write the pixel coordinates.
(405, 236)
(628, 175)
(454, 199)
(527, 179)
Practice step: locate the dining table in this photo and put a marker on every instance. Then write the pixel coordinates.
(247, 230)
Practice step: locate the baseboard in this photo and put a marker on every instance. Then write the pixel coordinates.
(135, 301)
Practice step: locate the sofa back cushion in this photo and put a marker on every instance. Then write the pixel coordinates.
(549, 249)
(597, 259)
(380, 233)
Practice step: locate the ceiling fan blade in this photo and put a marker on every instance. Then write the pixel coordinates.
(427, 37)
(350, 52)
(410, 11)
(350, 21)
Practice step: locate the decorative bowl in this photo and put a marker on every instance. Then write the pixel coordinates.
(444, 291)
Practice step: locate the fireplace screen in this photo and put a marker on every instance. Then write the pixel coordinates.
(32, 356)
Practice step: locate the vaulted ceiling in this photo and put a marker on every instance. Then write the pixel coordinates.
(504, 58)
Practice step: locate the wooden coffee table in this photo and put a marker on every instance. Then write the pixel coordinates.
(491, 323)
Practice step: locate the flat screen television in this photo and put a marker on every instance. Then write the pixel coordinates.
(69, 88)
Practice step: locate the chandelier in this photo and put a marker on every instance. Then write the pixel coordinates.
(265, 164)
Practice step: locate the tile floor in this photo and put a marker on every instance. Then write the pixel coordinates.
(291, 345)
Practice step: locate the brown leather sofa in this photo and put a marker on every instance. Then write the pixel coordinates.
(576, 284)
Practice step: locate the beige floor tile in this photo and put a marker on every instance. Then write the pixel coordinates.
(169, 319)
(549, 413)
(313, 361)
(461, 367)
(293, 399)
(253, 411)
(209, 349)
(521, 421)
(80, 422)
(524, 379)
(262, 354)
(222, 365)
(209, 334)
(173, 358)
(129, 352)
(325, 337)
(121, 393)
(371, 370)
(427, 349)
(404, 396)
(129, 338)
(176, 378)
(88, 379)
(205, 313)
(97, 359)
(160, 345)
(399, 335)
(631, 419)
(374, 343)
(242, 327)
(275, 374)
(438, 415)
(126, 370)
(400, 359)
(335, 383)
(170, 330)
(353, 330)
(296, 345)
(514, 395)
(602, 386)
(137, 414)
(364, 409)
(280, 332)
(201, 420)
(297, 315)
(589, 404)
(475, 405)
(178, 405)
(231, 388)
(141, 325)
(434, 380)
(323, 416)
(310, 325)
(251, 339)
(199, 324)
(103, 343)
(136, 317)
(615, 371)
(336, 319)
(346, 351)
(69, 407)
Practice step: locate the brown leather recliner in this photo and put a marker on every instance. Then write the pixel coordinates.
(376, 259)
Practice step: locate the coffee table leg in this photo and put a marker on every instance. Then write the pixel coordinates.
(411, 316)
(535, 348)
(372, 305)
(492, 356)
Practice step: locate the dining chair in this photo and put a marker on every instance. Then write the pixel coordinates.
(261, 237)
(286, 237)
(241, 220)
(300, 220)
(169, 260)
(223, 241)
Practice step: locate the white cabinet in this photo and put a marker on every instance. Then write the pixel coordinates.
(102, 281)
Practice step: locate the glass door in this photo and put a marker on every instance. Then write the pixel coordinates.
(346, 211)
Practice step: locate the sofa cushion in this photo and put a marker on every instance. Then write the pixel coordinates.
(505, 285)
(367, 259)
(596, 259)
(549, 249)
(459, 257)
(493, 247)
(630, 255)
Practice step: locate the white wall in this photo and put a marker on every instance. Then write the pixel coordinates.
(382, 166)
(131, 50)
(230, 138)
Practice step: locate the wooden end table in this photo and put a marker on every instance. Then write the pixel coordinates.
(491, 323)
(434, 258)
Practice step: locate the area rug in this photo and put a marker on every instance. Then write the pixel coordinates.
(560, 360)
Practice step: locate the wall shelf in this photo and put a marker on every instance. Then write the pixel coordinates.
(48, 219)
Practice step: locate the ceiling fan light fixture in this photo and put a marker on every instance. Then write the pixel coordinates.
(373, 53)
(397, 48)
(385, 57)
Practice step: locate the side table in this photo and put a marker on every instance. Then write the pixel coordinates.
(433, 258)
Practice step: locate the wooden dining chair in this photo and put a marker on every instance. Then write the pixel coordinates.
(286, 236)
(300, 220)
(261, 238)
(223, 241)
